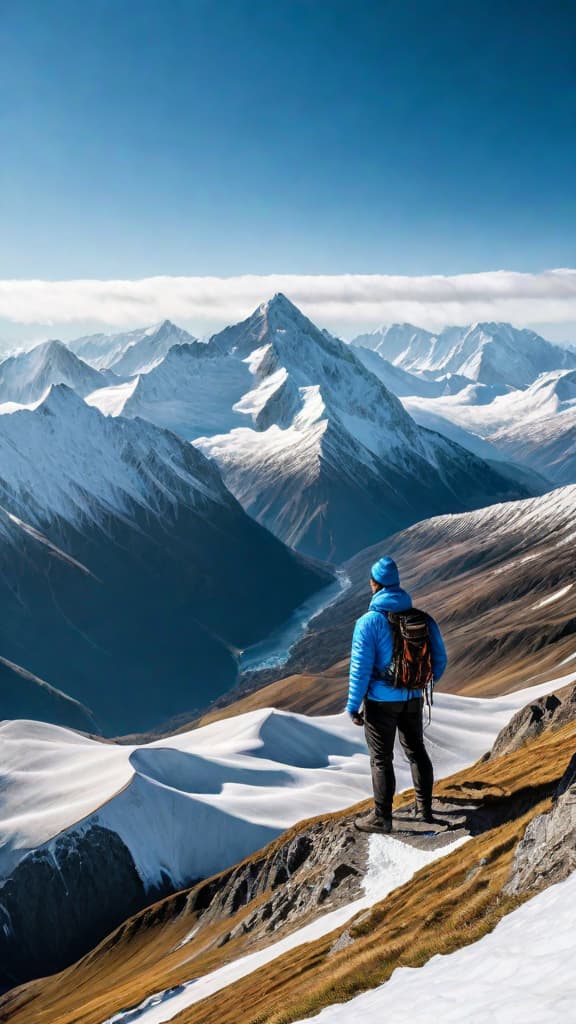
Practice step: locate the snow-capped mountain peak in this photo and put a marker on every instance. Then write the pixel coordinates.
(317, 412)
(65, 458)
(488, 352)
(131, 352)
(288, 409)
(27, 377)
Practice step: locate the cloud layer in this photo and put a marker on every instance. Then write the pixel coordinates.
(339, 300)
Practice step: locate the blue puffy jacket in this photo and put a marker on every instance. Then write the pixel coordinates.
(372, 648)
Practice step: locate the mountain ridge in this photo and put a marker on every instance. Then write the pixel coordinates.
(102, 515)
(305, 434)
(488, 352)
(27, 377)
(130, 352)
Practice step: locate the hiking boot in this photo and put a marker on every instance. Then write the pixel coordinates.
(374, 823)
(424, 814)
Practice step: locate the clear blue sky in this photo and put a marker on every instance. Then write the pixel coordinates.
(307, 136)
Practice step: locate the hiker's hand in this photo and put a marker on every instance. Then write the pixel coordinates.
(357, 717)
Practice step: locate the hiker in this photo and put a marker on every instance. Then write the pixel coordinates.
(381, 663)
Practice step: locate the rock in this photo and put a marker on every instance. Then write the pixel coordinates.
(321, 866)
(549, 712)
(342, 942)
(547, 852)
(62, 899)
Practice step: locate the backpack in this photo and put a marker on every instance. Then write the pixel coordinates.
(411, 665)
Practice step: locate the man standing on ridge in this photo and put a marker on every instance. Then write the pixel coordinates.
(394, 647)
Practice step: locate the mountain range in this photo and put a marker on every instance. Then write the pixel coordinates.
(311, 443)
(101, 513)
(182, 866)
(533, 427)
(128, 573)
(130, 352)
(490, 353)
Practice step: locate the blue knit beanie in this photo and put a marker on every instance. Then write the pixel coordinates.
(385, 571)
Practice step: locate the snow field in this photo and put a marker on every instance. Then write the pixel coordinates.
(237, 783)
(520, 973)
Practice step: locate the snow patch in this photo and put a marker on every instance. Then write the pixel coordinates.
(521, 973)
(553, 597)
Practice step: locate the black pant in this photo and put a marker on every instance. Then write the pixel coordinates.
(381, 719)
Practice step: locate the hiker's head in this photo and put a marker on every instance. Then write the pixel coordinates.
(384, 573)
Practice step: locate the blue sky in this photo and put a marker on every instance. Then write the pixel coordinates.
(310, 136)
(224, 137)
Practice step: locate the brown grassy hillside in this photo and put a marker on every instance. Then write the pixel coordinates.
(482, 575)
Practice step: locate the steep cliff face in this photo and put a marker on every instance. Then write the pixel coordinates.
(311, 871)
(61, 899)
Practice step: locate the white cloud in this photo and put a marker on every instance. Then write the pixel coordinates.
(338, 301)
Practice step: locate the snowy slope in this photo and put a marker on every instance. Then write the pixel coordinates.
(130, 352)
(394, 341)
(310, 441)
(491, 353)
(521, 973)
(534, 426)
(547, 445)
(64, 459)
(116, 538)
(27, 378)
(148, 351)
(401, 383)
(193, 391)
(236, 783)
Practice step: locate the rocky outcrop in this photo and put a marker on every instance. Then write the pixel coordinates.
(62, 899)
(549, 712)
(547, 853)
(320, 868)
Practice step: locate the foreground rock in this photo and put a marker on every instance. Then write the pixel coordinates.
(549, 712)
(547, 853)
(62, 899)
